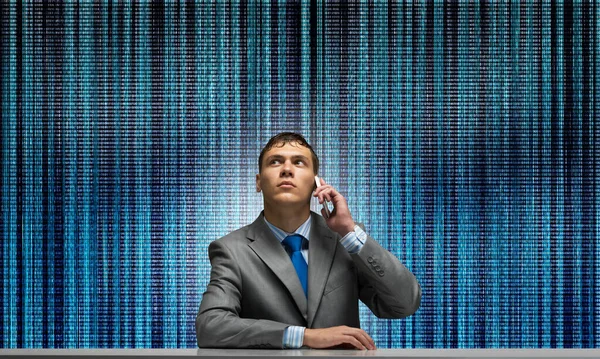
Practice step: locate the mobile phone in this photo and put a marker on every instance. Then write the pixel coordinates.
(325, 207)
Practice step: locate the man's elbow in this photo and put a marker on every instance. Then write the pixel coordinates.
(204, 332)
(414, 304)
(407, 305)
(200, 329)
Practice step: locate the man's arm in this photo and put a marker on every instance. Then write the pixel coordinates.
(218, 324)
(386, 286)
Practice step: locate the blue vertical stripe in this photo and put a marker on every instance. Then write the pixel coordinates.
(52, 240)
(440, 275)
(281, 59)
(546, 156)
(408, 157)
(516, 122)
(127, 244)
(143, 169)
(463, 208)
(170, 209)
(530, 216)
(576, 175)
(70, 232)
(89, 175)
(504, 185)
(559, 195)
(421, 122)
(305, 66)
(117, 330)
(27, 117)
(492, 221)
(397, 74)
(264, 47)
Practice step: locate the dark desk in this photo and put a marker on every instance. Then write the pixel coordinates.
(384, 353)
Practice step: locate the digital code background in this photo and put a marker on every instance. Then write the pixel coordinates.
(465, 137)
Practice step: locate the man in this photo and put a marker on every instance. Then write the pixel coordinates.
(262, 293)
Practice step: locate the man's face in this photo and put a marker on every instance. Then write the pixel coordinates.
(287, 175)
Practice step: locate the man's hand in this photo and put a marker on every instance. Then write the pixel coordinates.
(340, 220)
(342, 336)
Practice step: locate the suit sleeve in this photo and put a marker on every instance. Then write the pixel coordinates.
(218, 324)
(386, 286)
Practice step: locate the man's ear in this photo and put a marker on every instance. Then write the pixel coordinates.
(258, 183)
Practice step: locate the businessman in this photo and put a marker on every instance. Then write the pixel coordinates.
(293, 278)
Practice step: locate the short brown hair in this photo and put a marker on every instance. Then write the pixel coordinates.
(283, 138)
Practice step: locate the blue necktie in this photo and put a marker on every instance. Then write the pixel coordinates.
(294, 243)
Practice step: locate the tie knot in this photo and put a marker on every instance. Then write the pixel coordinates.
(293, 242)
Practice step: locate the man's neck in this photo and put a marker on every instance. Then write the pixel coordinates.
(287, 218)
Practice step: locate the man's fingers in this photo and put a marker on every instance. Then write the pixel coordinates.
(370, 343)
(354, 341)
(363, 337)
(367, 340)
(322, 189)
(324, 194)
(328, 194)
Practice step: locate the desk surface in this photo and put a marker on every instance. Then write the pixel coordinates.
(386, 353)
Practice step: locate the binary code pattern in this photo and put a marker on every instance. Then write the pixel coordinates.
(464, 136)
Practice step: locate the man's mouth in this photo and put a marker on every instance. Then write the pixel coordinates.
(286, 184)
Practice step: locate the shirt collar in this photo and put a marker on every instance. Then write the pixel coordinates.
(303, 230)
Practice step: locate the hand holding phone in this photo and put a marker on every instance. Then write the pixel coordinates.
(325, 207)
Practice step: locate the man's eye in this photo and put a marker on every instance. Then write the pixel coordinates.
(274, 162)
(299, 162)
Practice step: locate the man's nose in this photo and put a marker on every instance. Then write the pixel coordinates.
(287, 169)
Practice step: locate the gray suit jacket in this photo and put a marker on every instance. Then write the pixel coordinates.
(254, 293)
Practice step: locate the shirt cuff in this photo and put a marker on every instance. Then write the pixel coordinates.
(293, 337)
(355, 240)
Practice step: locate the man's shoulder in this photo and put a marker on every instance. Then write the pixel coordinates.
(234, 236)
(232, 242)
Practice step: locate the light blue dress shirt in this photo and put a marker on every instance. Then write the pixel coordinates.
(293, 336)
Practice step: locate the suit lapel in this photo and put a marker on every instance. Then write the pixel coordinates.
(272, 253)
(321, 250)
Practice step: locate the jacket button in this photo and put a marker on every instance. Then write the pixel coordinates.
(370, 259)
(377, 268)
(381, 273)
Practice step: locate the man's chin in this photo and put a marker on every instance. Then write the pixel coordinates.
(290, 201)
